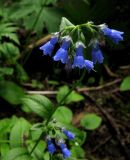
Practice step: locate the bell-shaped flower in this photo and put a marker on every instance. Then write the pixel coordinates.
(78, 58)
(97, 55)
(114, 35)
(89, 65)
(62, 53)
(50, 146)
(69, 134)
(48, 47)
(65, 151)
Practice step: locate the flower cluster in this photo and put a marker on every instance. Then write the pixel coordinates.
(74, 52)
(56, 141)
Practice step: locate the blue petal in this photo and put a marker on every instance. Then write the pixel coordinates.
(54, 40)
(47, 48)
(65, 44)
(69, 134)
(114, 35)
(61, 55)
(89, 65)
(78, 62)
(97, 55)
(66, 153)
(51, 147)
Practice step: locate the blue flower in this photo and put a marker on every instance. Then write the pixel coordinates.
(69, 134)
(65, 151)
(50, 146)
(62, 53)
(48, 47)
(114, 35)
(97, 55)
(78, 58)
(89, 65)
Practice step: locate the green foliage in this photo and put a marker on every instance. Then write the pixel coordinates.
(125, 85)
(63, 115)
(38, 104)
(16, 153)
(91, 121)
(72, 97)
(11, 92)
(17, 138)
(36, 15)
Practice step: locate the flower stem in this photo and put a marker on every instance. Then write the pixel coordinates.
(57, 106)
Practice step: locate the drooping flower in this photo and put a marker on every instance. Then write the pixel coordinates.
(50, 146)
(69, 134)
(97, 55)
(78, 58)
(89, 65)
(48, 47)
(65, 151)
(62, 53)
(114, 35)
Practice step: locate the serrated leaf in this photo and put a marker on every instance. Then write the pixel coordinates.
(11, 92)
(125, 85)
(40, 105)
(17, 138)
(15, 153)
(91, 121)
(63, 115)
(72, 97)
(65, 23)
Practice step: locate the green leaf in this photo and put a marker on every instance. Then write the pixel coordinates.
(11, 92)
(38, 153)
(72, 97)
(91, 121)
(18, 132)
(4, 149)
(21, 74)
(9, 51)
(77, 152)
(125, 85)
(6, 71)
(8, 30)
(52, 17)
(15, 153)
(24, 157)
(65, 23)
(40, 105)
(63, 115)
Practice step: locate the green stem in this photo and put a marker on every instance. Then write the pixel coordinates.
(56, 107)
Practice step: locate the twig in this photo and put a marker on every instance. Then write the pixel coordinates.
(99, 87)
(42, 92)
(39, 42)
(110, 73)
(113, 127)
(79, 89)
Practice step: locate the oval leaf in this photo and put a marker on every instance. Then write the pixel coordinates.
(63, 115)
(19, 130)
(91, 121)
(125, 85)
